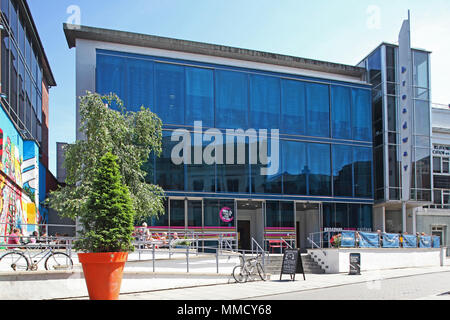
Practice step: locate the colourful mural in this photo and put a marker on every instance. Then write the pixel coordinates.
(17, 208)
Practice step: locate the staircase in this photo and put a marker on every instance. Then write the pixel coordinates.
(273, 264)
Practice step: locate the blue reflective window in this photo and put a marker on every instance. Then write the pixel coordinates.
(328, 217)
(280, 214)
(360, 216)
(341, 215)
(195, 208)
(269, 181)
(111, 75)
(342, 170)
(170, 93)
(169, 175)
(176, 213)
(318, 110)
(293, 107)
(264, 102)
(362, 115)
(234, 176)
(199, 96)
(139, 87)
(294, 167)
(231, 99)
(422, 117)
(200, 177)
(341, 103)
(362, 159)
(319, 169)
(212, 209)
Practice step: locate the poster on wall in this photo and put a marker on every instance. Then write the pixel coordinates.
(226, 214)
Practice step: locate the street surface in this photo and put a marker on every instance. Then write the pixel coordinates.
(418, 286)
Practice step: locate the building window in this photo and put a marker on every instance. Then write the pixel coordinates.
(318, 110)
(177, 213)
(170, 86)
(294, 167)
(264, 102)
(293, 107)
(341, 98)
(342, 170)
(199, 96)
(231, 99)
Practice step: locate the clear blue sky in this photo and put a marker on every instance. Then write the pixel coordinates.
(341, 31)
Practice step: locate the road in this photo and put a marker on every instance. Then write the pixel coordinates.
(420, 286)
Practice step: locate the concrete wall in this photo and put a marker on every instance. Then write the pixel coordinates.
(427, 218)
(337, 260)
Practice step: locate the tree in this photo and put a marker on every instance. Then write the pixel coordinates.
(108, 219)
(130, 136)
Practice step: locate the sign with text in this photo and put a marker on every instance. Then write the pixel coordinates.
(405, 108)
(292, 263)
(355, 264)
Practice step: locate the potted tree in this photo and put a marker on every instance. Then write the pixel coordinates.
(105, 192)
(107, 226)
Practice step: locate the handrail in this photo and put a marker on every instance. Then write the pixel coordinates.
(287, 244)
(259, 248)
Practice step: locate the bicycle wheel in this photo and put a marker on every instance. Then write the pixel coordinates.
(261, 271)
(16, 261)
(239, 274)
(58, 261)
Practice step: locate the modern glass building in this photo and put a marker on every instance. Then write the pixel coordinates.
(257, 144)
(26, 78)
(383, 71)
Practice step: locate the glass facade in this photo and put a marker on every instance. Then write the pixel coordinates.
(325, 134)
(383, 69)
(21, 76)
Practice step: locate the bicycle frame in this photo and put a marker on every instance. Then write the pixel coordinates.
(33, 263)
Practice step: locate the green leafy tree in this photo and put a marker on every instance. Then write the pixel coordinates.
(131, 136)
(108, 219)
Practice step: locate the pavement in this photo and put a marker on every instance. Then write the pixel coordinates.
(377, 284)
(171, 281)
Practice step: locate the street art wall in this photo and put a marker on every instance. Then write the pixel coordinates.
(18, 181)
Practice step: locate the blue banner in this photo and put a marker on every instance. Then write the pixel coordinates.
(409, 241)
(436, 242)
(369, 240)
(391, 240)
(348, 239)
(425, 242)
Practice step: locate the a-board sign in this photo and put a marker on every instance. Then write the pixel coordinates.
(292, 263)
(355, 264)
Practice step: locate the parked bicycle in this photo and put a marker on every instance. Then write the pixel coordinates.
(249, 269)
(17, 260)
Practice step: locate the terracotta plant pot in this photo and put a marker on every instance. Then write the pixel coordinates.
(103, 273)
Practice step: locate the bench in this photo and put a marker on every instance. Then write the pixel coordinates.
(277, 244)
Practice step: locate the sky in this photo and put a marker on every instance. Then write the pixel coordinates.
(341, 31)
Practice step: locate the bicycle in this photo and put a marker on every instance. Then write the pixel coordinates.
(18, 261)
(248, 269)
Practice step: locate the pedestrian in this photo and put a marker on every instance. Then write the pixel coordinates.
(380, 237)
(34, 237)
(174, 239)
(14, 238)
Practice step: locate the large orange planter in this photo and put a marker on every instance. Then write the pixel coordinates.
(103, 273)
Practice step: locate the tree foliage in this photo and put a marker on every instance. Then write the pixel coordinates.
(130, 136)
(108, 219)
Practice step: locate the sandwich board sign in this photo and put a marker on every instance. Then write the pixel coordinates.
(292, 263)
(355, 264)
